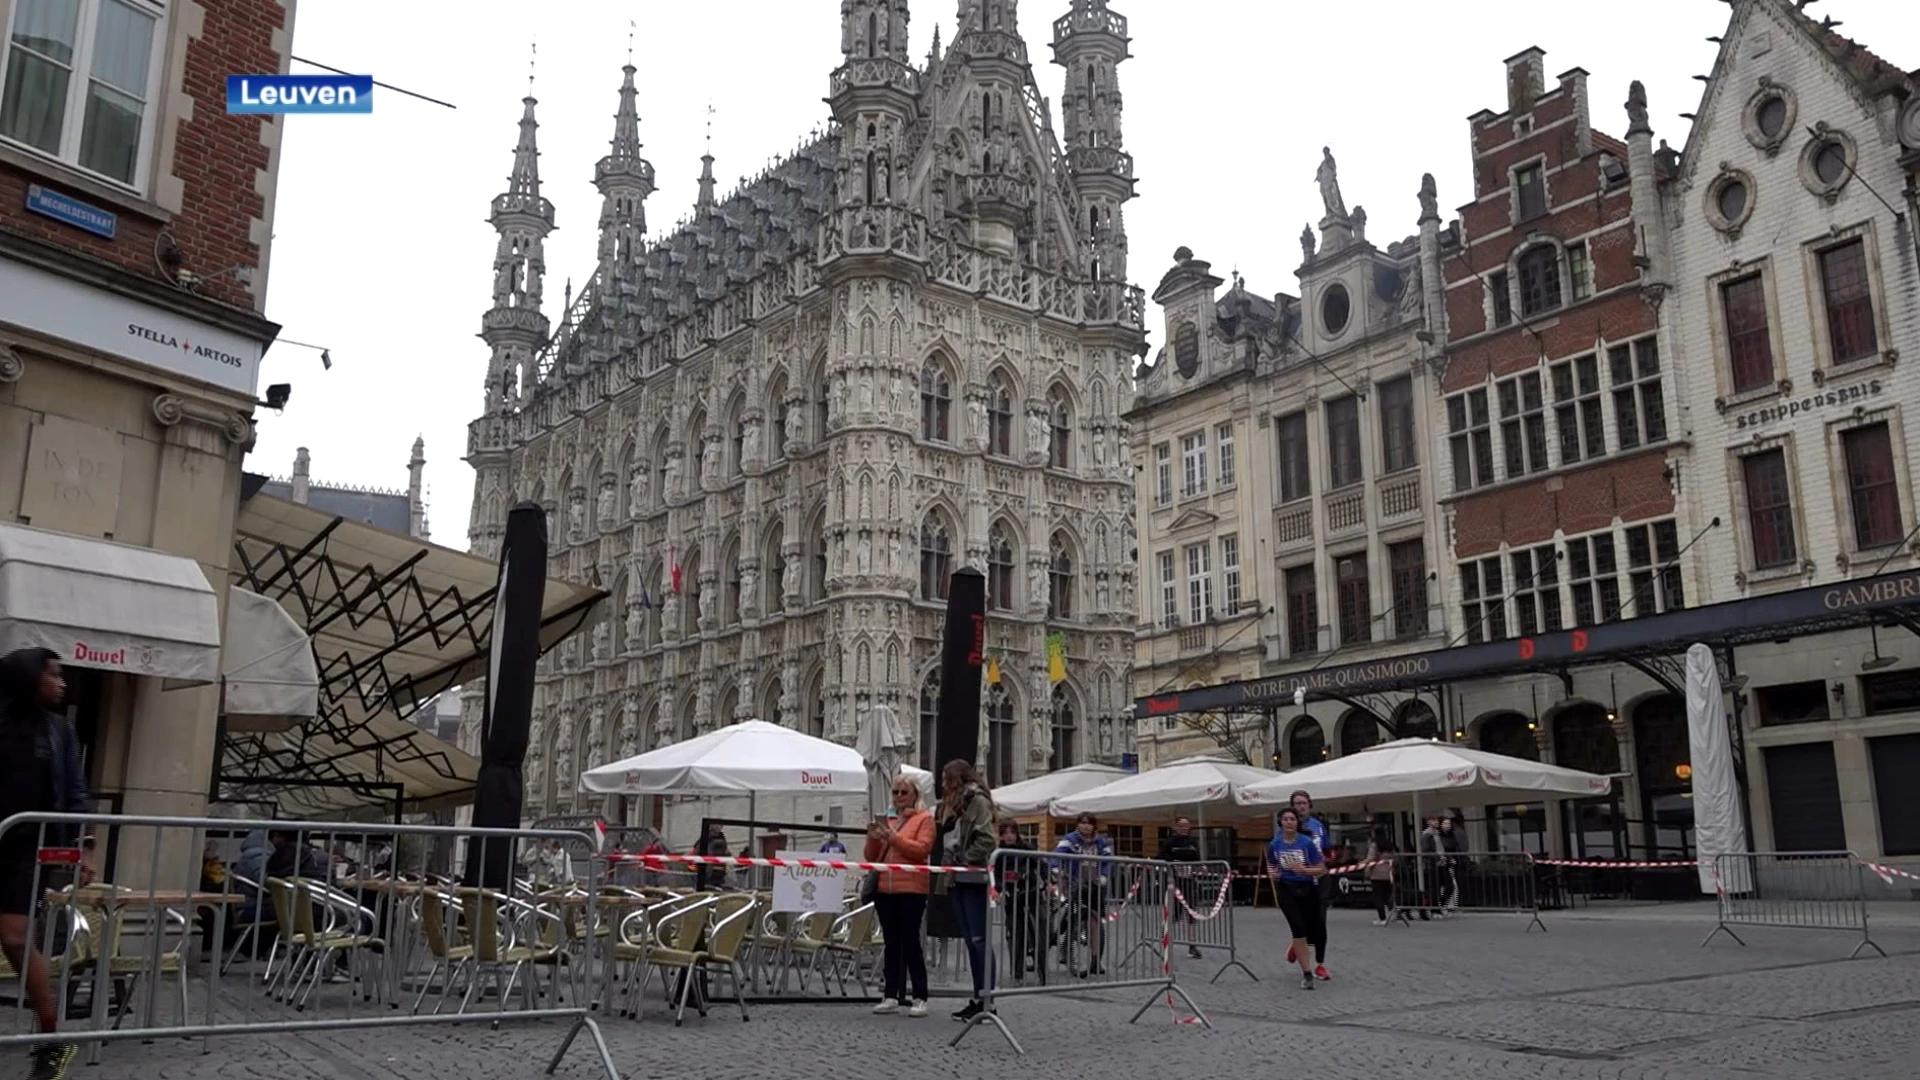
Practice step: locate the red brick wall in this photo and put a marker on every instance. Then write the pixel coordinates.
(215, 156)
(1580, 501)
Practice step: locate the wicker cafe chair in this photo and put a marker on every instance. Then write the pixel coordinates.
(75, 960)
(663, 937)
(807, 941)
(444, 956)
(510, 938)
(312, 943)
(729, 921)
(853, 946)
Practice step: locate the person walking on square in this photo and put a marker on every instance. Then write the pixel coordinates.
(966, 839)
(40, 756)
(1380, 852)
(1180, 847)
(900, 899)
(1315, 829)
(1296, 864)
(1086, 887)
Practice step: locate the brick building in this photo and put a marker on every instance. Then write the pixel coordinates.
(1561, 451)
(135, 225)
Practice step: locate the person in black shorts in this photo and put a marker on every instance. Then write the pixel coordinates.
(39, 773)
(1296, 863)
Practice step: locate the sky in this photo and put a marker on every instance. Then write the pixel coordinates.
(382, 254)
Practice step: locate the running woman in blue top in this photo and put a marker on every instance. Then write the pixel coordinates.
(1313, 827)
(1295, 862)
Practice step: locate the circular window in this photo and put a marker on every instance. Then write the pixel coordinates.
(1830, 163)
(1827, 163)
(1768, 119)
(1771, 116)
(1730, 200)
(1335, 309)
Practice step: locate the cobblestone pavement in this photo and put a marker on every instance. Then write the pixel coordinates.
(1628, 997)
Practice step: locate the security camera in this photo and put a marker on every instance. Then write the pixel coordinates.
(277, 395)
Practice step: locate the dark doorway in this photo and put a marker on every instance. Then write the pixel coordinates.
(1663, 762)
(1803, 797)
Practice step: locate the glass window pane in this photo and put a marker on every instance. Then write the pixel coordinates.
(123, 48)
(48, 27)
(110, 139)
(34, 102)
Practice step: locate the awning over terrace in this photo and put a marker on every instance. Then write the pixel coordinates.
(395, 622)
(1654, 643)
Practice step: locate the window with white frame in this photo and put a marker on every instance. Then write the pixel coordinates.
(1169, 591)
(1163, 473)
(1536, 589)
(1639, 405)
(1770, 525)
(1223, 450)
(1593, 578)
(1199, 584)
(1653, 569)
(1523, 424)
(1193, 464)
(1470, 436)
(1230, 572)
(1483, 604)
(1579, 270)
(79, 83)
(1577, 411)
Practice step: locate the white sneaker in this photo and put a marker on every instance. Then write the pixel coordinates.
(918, 1009)
(887, 1007)
(1379, 922)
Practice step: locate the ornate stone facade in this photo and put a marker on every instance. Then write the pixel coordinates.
(773, 433)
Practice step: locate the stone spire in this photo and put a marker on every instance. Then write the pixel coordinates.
(514, 326)
(416, 490)
(705, 201)
(625, 179)
(1090, 41)
(302, 475)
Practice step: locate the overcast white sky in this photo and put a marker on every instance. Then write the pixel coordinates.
(382, 253)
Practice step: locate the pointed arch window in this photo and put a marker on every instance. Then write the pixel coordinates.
(770, 703)
(817, 564)
(729, 709)
(651, 595)
(816, 706)
(1064, 729)
(696, 444)
(1000, 569)
(1002, 735)
(1059, 430)
(822, 408)
(936, 402)
(929, 721)
(776, 572)
(1060, 579)
(999, 416)
(777, 395)
(1539, 280)
(660, 492)
(936, 558)
(737, 433)
(873, 33)
(730, 584)
(690, 600)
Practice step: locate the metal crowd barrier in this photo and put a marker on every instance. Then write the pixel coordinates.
(338, 927)
(1503, 882)
(1066, 923)
(1202, 911)
(1800, 890)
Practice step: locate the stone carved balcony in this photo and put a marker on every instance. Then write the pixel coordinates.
(1293, 524)
(1346, 510)
(1195, 639)
(1103, 160)
(1399, 497)
(1089, 21)
(874, 72)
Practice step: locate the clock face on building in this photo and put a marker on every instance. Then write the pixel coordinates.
(1186, 350)
(1910, 124)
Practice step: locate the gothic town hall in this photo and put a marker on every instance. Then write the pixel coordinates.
(774, 433)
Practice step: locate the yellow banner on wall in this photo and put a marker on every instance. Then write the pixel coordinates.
(1056, 657)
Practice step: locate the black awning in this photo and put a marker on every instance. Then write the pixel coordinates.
(1883, 600)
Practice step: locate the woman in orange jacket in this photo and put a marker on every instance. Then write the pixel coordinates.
(900, 897)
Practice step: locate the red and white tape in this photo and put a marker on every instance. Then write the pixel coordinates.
(1609, 864)
(1888, 873)
(808, 864)
(1166, 953)
(1219, 902)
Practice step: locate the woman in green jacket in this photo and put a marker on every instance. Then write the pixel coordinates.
(967, 839)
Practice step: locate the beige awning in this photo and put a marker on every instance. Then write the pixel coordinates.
(394, 621)
(105, 605)
(270, 682)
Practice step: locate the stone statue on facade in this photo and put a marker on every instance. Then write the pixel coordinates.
(1637, 107)
(896, 562)
(1037, 433)
(1307, 244)
(1328, 177)
(1106, 736)
(1359, 219)
(706, 606)
(710, 460)
(1037, 582)
(750, 442)
(672, 485)
(636, 623)
(749, 578)
(1429, 198)
(600, 641)
(865, 550)
(637, 490)
(608, 499)
(577, 516)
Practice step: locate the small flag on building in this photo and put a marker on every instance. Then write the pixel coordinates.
(993, 671)
(673, 566)
(1056, 657)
